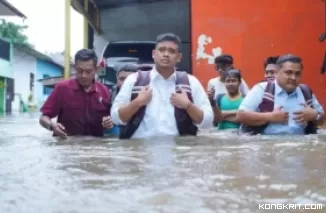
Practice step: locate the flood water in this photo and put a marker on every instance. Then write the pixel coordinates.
(212, 173)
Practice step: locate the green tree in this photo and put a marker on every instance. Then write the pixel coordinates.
(14, 32)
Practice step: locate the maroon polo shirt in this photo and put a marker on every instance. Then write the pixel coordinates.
(78, 111)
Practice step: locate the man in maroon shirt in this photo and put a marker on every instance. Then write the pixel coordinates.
(81, 104)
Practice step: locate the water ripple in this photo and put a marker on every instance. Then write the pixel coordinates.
(212, 173)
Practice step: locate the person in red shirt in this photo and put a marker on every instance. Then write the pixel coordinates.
(81, 104)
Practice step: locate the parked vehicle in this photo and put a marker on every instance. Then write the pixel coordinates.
(119, 52)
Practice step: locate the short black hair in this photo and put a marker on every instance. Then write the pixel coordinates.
(270, 60)
(169, 37)
(224, 59)
(86, 55)
(233, 73)
(129, 67)
(288, 58)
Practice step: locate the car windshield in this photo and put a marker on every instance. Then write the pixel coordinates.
(140, 51)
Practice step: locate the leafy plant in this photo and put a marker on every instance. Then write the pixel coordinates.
(14, 32)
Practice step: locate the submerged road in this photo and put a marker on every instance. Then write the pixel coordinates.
(213, 173)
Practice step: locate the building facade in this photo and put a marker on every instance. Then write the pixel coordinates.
(45, 70)
(21, 68)
(29, 66)
(6, 76)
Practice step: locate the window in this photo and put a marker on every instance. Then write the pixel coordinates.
(142, 51)
(31, 82)
(4, 50)
(46, 90)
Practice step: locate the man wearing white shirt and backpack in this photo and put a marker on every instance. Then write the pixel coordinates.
(162, 101)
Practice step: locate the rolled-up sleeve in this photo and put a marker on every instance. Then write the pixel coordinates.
(253, 98)
(52, 105)
(123, 98)
(201, 100)
(316, 105)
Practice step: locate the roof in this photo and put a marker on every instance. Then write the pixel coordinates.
(36, 54)
(132, 42)
(7, 9)
(52, 81)
(114, 3)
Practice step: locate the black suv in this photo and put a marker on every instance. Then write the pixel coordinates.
(119, 52)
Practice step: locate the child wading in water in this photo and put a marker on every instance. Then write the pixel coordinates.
(229, 103)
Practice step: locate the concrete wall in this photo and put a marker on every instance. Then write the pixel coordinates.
(146, 21)
(44, 68)
(23, 65)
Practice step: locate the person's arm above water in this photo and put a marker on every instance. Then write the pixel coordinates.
(229, 115)
(51, 107)
(122, 108)
(201, 110)
(247, 113)
(217, 114)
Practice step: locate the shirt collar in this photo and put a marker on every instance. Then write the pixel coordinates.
(76, 86)
(279, 90)
(156, 75)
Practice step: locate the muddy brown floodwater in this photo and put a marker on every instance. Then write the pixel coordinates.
(211, 173)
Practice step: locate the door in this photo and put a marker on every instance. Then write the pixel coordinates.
(31, 82)
(2, 95)
(9, 94)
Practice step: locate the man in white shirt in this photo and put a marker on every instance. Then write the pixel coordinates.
(148, 104)
(216, 85)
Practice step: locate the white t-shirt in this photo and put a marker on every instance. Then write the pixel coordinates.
(220, 88)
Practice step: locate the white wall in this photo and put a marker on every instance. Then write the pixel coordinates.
(23, 65)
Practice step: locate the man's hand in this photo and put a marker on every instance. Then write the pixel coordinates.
(59, 130)
(107, 122)
(144, 96)
(305, 115)
(180, 100)
(211, 95)
(279, 116)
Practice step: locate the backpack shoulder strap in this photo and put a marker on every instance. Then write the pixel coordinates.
(311, 127)
(269, 91)
(143, 79)
(267, 103)
(184, 122)
(307, 93)
(182, 81)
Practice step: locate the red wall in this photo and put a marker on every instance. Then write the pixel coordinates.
(253, 31)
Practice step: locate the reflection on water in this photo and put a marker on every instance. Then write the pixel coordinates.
(212, 173)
